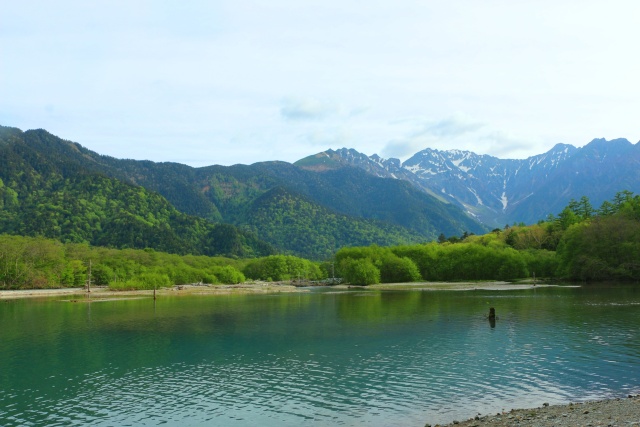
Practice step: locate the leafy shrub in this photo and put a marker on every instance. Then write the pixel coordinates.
(228, 274)
(145, 281)
(360, 271)
(282, 267)
(398, 270)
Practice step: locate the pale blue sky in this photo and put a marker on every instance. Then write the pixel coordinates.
(225, 82)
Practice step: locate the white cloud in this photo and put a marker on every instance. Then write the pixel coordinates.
(460, 132)
(508, 146)
(326, 138)
(307, 109)
(451, 127)
(400, 149)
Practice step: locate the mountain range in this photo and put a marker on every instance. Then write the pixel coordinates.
(60, 189)
(496, 191)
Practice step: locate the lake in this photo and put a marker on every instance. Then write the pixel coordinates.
(350, 358)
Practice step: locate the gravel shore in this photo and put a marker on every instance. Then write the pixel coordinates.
(622, 412)
(105, 294)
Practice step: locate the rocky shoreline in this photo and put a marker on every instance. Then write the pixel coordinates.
(104, 293)
(264, 287)
(620, 412)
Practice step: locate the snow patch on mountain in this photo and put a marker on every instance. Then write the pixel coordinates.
(475, 194)
(504, 200)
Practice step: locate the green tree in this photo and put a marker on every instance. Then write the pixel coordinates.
(567, 218)
(621, 198)
(101, 275)
(605, 248)
(228, 274)
(398, 270)
(282, 267)
(607, 208)
(360, 272)
(74, 274)
(584, 209)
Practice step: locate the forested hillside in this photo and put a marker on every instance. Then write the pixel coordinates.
(288, 207)
(51, 196)
(288, 219)
(140, 203)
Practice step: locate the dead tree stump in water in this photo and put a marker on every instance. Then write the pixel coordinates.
(492, 317)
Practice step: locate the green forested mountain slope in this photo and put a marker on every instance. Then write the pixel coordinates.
(348, 191)
(382, 210)
(173, 180)
(286, 219)
(45, 193)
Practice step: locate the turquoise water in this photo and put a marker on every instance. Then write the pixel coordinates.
(324, 358)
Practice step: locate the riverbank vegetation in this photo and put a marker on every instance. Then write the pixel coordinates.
(581, 243)
(39, 263)
(34, 262)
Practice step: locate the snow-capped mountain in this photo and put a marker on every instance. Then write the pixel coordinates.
(500, 191)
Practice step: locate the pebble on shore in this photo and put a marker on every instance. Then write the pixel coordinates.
(602, 413)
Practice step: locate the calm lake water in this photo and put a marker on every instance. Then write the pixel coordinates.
(324, 358)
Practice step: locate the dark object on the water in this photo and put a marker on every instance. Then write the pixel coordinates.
(492, 317)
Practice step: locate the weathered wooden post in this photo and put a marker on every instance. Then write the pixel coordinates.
(492, 317)
(89, 278)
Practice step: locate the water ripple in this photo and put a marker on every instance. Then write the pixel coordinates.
(403, 370)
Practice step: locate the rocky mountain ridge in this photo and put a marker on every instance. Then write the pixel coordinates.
(499, 191)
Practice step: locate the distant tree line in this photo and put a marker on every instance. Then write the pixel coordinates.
(580, 243)
(36, 262)
(490, 259)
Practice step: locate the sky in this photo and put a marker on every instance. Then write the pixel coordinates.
(243, 81)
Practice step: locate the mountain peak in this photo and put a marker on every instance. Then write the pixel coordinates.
(562, 147)
(323, 161)
(602, 147)
(601, 142)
